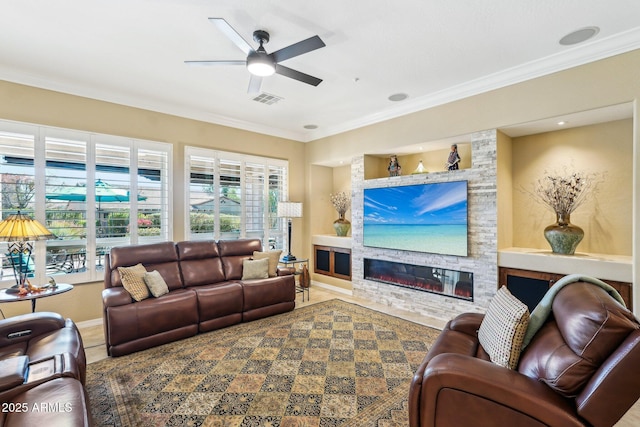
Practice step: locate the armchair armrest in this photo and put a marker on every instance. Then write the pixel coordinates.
(26, 326)
(112, 297)
(454, 389)
(467, 323)
(13, 372)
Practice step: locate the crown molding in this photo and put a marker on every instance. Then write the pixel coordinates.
(568, 58)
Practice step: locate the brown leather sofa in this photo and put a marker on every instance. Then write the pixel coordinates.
(581, 369)
(205, 292)
(42, 372)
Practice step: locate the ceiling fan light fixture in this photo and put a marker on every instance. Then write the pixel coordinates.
(260, 64)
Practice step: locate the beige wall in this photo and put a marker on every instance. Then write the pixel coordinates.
(31, 105)
(601, 83)
(604, 149)
(324, 181)
(504, 164)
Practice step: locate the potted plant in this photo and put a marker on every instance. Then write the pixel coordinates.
(341, 202)
(563, 194)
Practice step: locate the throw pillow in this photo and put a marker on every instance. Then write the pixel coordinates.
(133, 281)
(273, 257)
(255, 269)
(502, 330)
(156, 284)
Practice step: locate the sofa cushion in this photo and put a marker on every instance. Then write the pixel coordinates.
(503, 327)
(273, 257)
(154, 256)
(255, 269)
(587, 326)
(200, 263)
(133, 281)
(156, 284)
(233, 252)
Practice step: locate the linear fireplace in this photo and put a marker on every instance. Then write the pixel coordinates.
(453, 283)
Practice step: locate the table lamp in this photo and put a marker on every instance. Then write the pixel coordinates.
(289, 210)
(20, 230)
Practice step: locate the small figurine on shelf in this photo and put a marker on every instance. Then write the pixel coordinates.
(394, 167)
(454, 159)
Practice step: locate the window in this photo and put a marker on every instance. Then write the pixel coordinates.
(233, 196)
(80, 186)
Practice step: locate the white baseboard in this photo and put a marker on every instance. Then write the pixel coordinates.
(89, 323)
(332, 288)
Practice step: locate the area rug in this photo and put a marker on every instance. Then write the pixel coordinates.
(327, 364)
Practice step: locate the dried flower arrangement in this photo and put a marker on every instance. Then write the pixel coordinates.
(341, 202)
(564, 193)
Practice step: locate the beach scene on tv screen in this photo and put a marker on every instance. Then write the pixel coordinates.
(423, 218)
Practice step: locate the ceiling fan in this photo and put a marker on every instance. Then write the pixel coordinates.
(260, 63)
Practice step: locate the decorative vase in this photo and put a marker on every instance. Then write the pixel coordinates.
(563, 236)
(341, 225)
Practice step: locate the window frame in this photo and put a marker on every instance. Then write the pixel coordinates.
(218, 156)
(41, 133)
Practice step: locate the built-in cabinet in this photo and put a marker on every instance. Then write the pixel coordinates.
(332, 261)
(530, 286)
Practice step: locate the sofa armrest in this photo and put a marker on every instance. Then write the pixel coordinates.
(285, 271)
(113, 297)
(486, 391)
(26, 326)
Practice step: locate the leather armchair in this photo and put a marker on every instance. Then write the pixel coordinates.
(581, 369)
(42, 372)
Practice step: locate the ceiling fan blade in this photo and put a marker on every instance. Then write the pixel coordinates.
(232, 34)
(209, 63)
(254, 84)
(297, 75)
(312, 43)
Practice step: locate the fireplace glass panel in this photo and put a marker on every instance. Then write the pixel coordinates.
(453, 283)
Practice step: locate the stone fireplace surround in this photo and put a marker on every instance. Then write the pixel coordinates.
(482, 260)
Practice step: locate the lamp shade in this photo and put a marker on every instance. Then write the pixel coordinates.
(21, 228)
(289, 210)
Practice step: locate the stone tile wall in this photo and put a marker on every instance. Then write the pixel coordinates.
(482, 260)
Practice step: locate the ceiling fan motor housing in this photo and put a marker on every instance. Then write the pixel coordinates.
(261, 36)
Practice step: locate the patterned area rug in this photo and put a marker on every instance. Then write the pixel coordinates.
(327, 364)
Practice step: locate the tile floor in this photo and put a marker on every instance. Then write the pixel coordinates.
(93, 336)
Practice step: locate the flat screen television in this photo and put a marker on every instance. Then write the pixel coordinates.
(430, 217)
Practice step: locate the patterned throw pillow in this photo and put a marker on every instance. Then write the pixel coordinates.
(255, 269)
(503, 327)
(156, 284)
(273, 257)
(133, 281)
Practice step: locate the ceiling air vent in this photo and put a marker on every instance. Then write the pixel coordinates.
(266, 98)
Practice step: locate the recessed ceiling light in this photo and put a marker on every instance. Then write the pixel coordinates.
(579, 36)
(311, 127)
(562, 123)
(398, 97)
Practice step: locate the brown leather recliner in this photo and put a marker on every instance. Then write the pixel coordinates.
(582, 368)
(42, 372)
(206, 292)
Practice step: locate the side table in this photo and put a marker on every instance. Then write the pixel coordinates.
(34, 296)
(292, 263)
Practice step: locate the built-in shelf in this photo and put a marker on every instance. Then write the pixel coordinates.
(331, 240)
(602, 266)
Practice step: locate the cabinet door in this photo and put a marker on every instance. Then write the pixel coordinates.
(530, 286)
(334, 262)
